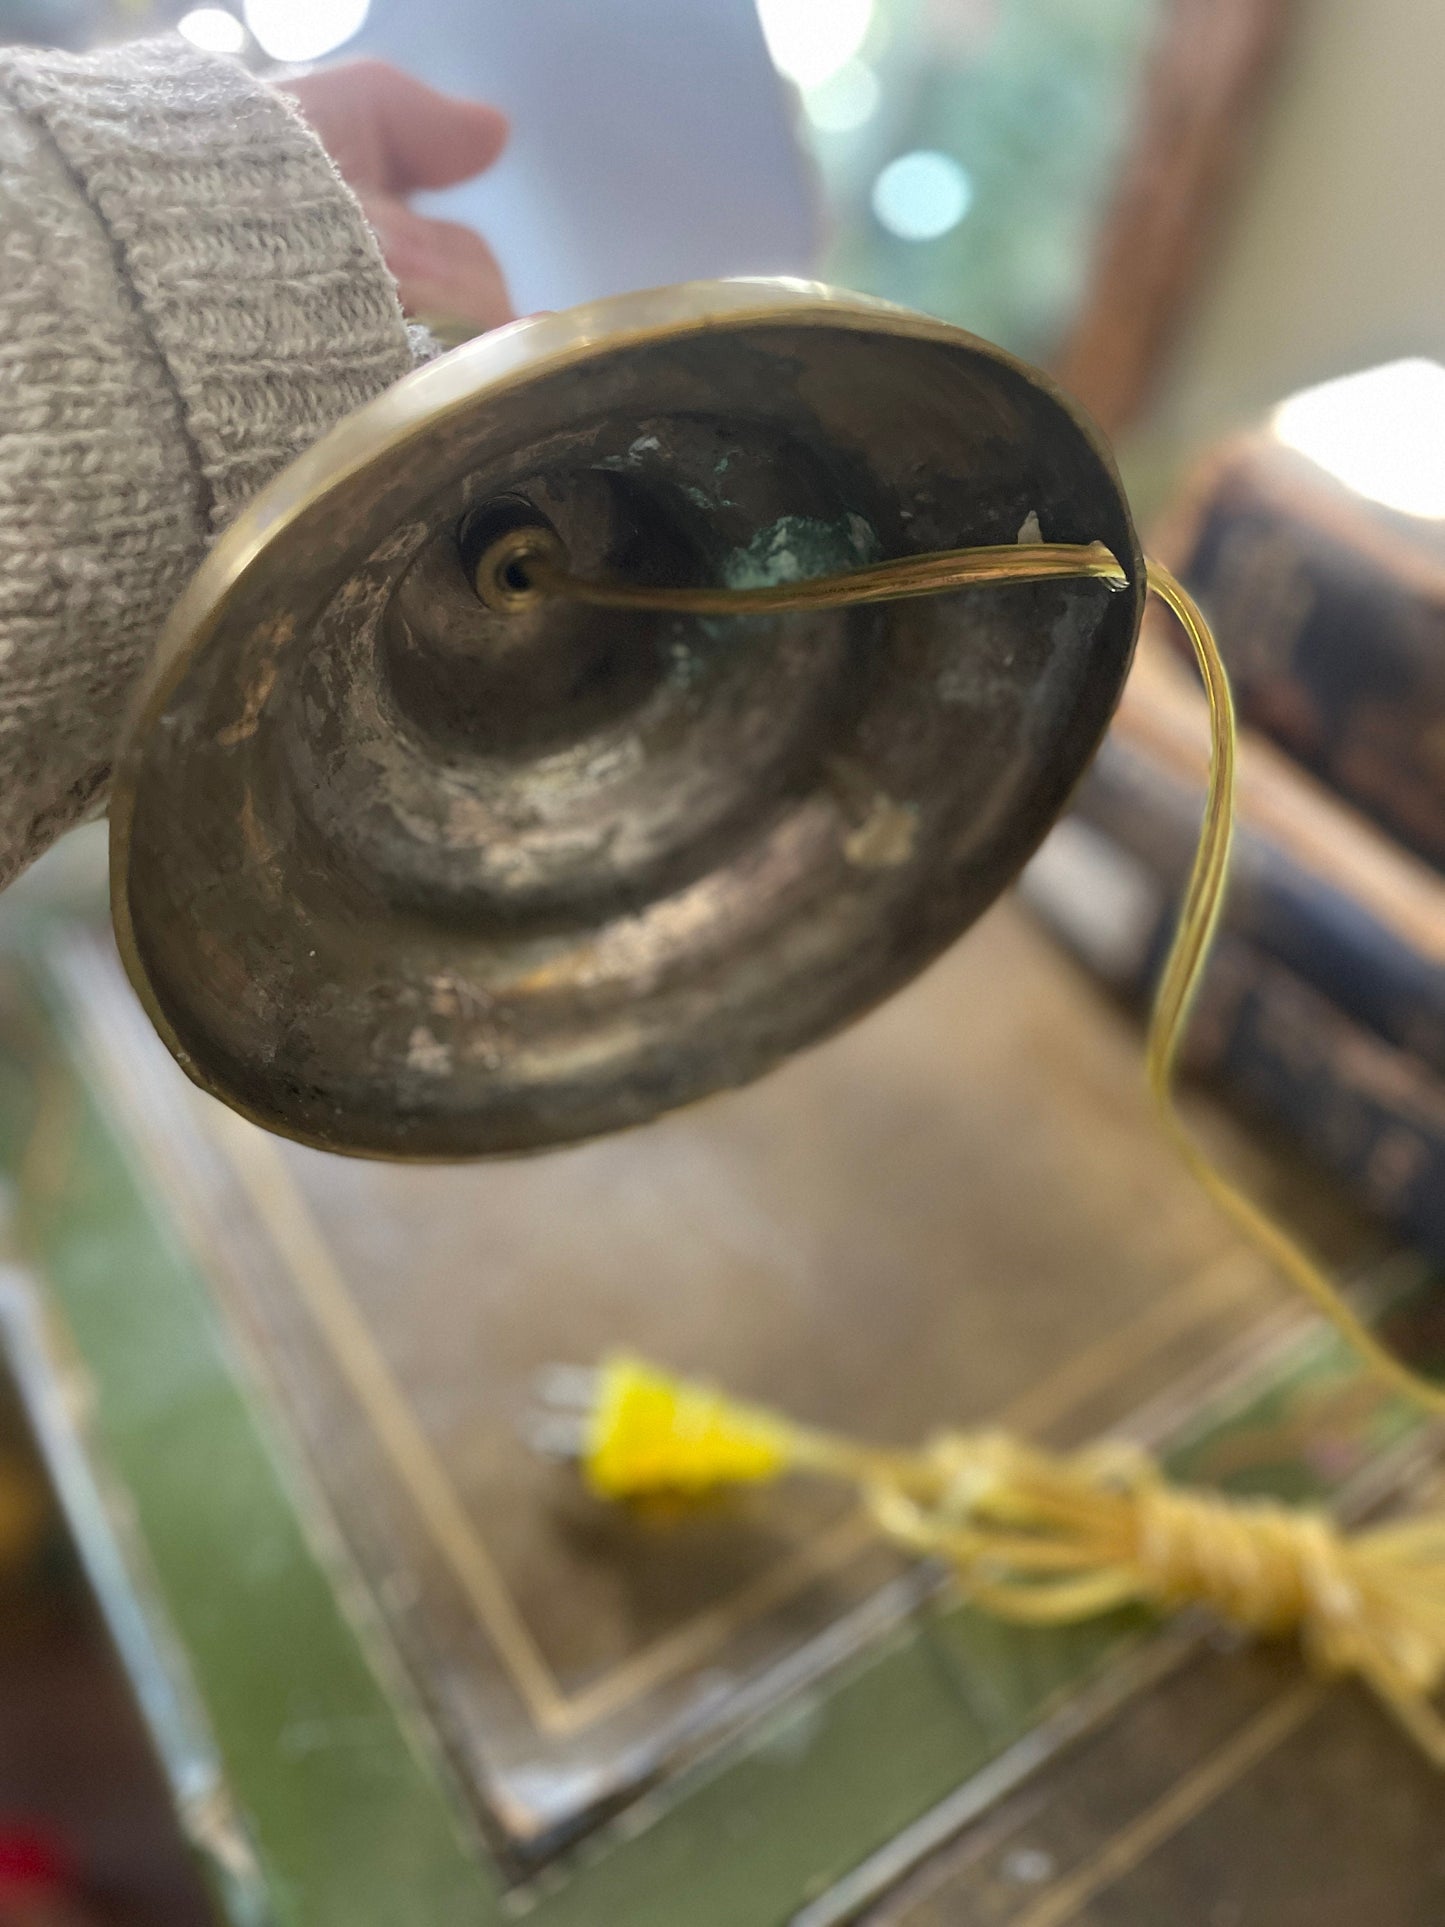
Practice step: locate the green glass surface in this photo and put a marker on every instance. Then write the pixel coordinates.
(342, 1798)
(347, 1819)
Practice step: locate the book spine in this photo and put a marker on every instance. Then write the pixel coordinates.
(1364, 1109)
(1290, 911)
(1335, 651)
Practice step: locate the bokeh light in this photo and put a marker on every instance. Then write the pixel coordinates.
(295, 30)
(921, 195)
(213, 30)
(847, 101)
(810, 40)
(1381, 433)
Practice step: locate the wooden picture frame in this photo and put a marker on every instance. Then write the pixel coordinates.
(1204, 89)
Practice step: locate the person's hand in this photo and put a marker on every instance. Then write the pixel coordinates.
(389, 135)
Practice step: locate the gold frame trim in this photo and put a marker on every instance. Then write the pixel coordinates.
(1064, 1899)
(320, 1286)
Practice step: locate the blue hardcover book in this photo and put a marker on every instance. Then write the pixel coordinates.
(1312, 884)
(1317, 547)
(1362, 1107)
(1323, 1009)
(1288, 906)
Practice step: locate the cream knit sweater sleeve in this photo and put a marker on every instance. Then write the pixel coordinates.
(189, 295)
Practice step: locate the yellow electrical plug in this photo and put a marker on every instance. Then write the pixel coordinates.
(649, 1432)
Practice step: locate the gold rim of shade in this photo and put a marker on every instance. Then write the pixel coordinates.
(504, 359)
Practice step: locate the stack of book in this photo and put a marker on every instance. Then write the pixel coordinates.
(1324, 1008)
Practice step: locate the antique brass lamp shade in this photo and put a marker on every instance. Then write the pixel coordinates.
(400, 870)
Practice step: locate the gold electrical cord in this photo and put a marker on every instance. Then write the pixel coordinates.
(528, 564)
(1036, 1537)
(915, 575)
(1183, 971)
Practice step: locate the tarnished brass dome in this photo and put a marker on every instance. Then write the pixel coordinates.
(401, 870)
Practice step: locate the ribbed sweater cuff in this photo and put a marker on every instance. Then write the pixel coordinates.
(250, 262)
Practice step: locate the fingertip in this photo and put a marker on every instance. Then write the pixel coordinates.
(490, 130)
(441, 267)
(436, 139)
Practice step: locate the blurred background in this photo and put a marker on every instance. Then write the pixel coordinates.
(1188, 209)
(1218, 223)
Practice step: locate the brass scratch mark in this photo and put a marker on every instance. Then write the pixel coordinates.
(258, 691)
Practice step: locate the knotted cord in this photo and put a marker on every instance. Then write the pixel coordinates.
(1045, 1539)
